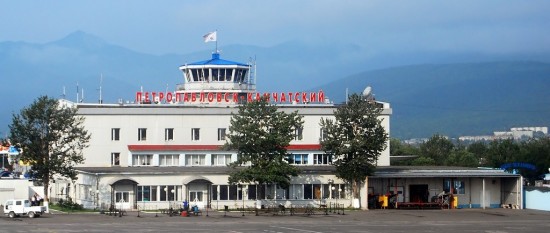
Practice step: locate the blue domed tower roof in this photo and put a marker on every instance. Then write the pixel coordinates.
(217, 61)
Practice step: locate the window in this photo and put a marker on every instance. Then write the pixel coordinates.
(196, 160)
(308, 191)
(458, 186)
(326, 191)
(298, 133)
(168, 193)
(297, 158)
(233, 192)
(227, 192)
(221, 134)
(340, 191)
(220, 160)
(144, 193)
(224, 192)
(115, 134)
(296, 191)
(169, 134)
(322, 134)
(214, 192)
(158, 193)
(252, 192)
(322, 159)
(115, 159)
(195, 134)
(169, 160)
(142, 160)
(142, 134)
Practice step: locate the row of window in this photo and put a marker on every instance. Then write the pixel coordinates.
(168, 134)
(457, 187)
(147, 193)
(196, 134)
(157, 193)
(215, 159)
(214, 74)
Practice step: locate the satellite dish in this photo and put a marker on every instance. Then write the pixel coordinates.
(367, 92)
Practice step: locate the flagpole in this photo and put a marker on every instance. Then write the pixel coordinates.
(216, 40)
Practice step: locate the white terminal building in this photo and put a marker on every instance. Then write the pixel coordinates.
(166, 148)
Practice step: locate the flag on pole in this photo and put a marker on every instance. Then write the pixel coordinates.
(211, 36)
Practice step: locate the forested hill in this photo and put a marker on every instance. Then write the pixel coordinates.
(457, 99)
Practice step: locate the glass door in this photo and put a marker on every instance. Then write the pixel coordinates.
(122, 200)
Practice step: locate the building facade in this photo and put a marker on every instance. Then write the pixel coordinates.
(166, 148)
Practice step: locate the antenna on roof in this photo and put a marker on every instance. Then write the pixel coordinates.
(77, 93)
(100, 94)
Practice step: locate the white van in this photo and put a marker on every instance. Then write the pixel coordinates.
(17, 207)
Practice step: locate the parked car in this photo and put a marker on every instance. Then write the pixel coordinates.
(17, 207)
(6, 174)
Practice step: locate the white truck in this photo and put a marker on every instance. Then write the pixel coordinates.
(18, 207)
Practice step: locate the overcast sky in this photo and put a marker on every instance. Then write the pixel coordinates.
(175, 26)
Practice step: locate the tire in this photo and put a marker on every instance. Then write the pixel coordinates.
(11, 214)
(32, 214)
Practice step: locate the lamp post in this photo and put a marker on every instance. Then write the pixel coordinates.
(166, 194)
(173, 197)
(330, 182)
(332, 190)
(242, 196)
(96, 205)
(339, 192)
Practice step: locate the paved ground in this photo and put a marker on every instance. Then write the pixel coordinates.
(409, 221)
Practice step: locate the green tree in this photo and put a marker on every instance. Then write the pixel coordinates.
(52, 137)
(398, 148)
(462, 158)
(537, 152)
(260, 134)
(502, 151)
(479, 150)
(438, 148)
(355, 138)
(423, 161)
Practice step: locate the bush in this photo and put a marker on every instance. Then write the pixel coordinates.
(69, 204)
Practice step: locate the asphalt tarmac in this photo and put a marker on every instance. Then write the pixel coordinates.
(409, 221)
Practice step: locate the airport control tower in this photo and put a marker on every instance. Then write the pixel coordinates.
(216, 81)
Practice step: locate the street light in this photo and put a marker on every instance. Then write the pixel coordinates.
(242, 195)
(332, 190)
(330, 182)
(97, 197)
(339, 193)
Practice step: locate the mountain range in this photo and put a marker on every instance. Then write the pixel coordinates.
(430, 92)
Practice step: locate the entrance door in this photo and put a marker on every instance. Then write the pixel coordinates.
(419, 193)
(122, 200)
(397, 190)
(197, 198)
